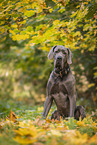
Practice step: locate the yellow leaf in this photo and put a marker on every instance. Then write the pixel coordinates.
(23, 22)
(56, 22)
(77, 33)
(43, 28)
(29, 13)
(95, 74)
(95, 128)
(50, 10)
(86, 3)
(74, 137)
(14, 25)
(79, 138)
(93, 139)
(77, 6)
(91, 85)
(24, 140)
(12, 32)
(74, 13)
(80, 123)
(28, 131)
(40, 108)
(56, 133)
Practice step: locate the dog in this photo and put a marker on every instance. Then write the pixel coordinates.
(61, 87)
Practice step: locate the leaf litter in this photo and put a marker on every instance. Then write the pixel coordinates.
(45, 131)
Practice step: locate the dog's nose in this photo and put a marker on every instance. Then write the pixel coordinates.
(59, 58)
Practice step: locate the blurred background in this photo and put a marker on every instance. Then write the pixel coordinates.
(28, 30)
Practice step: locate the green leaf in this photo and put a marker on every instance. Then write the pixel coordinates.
(29, 13)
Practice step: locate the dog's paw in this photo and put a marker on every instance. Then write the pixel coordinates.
(56, 115)
(79, 112)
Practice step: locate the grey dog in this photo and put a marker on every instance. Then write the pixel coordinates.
(61, 86)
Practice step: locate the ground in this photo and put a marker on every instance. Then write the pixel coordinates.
(26, 126)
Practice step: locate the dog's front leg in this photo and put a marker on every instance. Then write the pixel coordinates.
(47, 106)
(72, 106)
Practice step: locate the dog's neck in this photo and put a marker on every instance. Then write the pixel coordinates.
(64, 71)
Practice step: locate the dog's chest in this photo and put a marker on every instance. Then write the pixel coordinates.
(58, 87)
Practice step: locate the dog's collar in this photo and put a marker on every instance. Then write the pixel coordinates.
(63, 72)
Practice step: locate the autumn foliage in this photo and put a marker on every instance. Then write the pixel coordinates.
(38, 131)
(28, 30)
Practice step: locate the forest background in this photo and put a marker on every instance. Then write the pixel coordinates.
(28, 30)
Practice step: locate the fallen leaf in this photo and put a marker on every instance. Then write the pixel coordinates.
(38, 143)
(80, 123)
(23, 140)
(28, 131)
(12, 116)
(93, 139)
(56, 132)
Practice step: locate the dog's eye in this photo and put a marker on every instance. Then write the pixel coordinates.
(56, 51)
(63, 52)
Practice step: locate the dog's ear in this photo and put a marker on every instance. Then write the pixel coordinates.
(69, 61)
(51, 53)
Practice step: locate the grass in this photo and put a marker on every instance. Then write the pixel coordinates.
(24, 125)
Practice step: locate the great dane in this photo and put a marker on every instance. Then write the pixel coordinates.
(61, 86)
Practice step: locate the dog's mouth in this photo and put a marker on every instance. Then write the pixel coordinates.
(58, 65)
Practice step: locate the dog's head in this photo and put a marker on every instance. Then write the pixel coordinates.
(61, 56)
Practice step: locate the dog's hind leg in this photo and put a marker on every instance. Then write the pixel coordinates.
(56, 115)
(79, 112)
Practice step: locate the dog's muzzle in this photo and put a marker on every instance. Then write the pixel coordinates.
(59, 58)
(59, 62)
